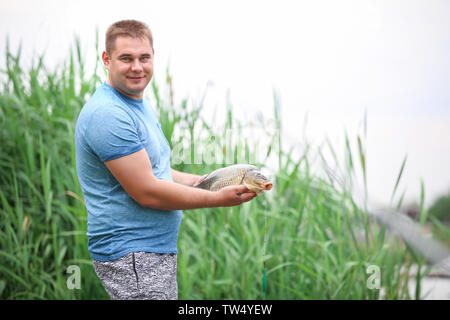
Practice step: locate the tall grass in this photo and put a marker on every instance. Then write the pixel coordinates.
(43, 219)
(319, 240)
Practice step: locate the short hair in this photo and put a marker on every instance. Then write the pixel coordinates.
(126, 28)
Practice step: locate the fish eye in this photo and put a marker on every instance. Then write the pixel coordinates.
(258, 175)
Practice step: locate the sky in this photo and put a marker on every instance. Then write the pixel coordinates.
(328, 61)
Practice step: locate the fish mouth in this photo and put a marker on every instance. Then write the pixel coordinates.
(259, 187)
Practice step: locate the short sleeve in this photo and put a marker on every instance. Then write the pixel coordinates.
(112, 133)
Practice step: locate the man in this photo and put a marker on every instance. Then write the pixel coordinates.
(133, 197)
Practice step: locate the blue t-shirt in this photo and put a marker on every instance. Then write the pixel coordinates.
(112, 125)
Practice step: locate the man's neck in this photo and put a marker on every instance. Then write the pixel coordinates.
(108, 81)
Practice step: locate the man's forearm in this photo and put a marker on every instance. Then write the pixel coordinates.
(187, 179)
(166, 195)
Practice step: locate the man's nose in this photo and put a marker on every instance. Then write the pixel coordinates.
(136, 65)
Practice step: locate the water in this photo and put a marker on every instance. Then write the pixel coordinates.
(432, 288)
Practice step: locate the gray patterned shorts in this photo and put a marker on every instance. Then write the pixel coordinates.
(140, 276)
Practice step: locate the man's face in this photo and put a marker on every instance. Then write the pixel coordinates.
(130, 66)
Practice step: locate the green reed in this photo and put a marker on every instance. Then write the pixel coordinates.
(319, 240)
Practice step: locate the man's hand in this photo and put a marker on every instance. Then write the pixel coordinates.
(197, 180)
(233, 195)
(187, 179)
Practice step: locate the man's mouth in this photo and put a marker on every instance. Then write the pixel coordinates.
(135, 78)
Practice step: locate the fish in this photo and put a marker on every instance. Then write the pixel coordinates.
(237, 174)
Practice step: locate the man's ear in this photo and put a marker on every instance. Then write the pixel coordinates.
(106, 59)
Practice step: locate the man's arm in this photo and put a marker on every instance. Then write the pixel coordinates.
(187, 179)
(134, 173)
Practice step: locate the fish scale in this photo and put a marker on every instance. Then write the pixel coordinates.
(224, 183)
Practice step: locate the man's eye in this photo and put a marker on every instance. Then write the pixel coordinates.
(125, 59)
(145, 58)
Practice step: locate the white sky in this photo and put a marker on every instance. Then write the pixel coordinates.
(328, 59)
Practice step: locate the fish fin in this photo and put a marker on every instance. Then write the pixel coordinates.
(243, 177)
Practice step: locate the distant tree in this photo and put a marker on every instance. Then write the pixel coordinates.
(440, 209)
